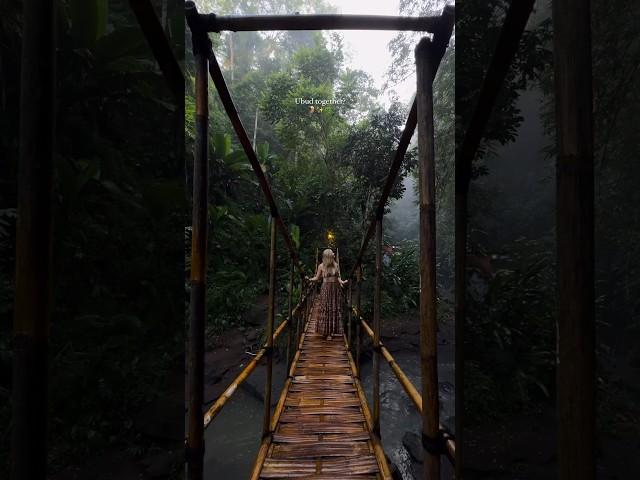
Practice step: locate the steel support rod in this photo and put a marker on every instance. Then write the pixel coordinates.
(266, 426)
(33, 242)
(252, 23)
(198, 270)
(376, 329)
(575, 240)
(428, 314)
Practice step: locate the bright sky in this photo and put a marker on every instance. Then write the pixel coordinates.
(368, 49)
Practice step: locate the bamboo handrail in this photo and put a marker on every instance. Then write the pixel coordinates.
(251, 366)
(407, 385)
(242, 376)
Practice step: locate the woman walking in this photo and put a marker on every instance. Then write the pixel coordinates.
(330, 317)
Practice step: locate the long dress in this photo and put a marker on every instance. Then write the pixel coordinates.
(329, 311)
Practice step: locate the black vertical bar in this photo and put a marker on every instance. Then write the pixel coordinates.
(575, 240)
(33, 238)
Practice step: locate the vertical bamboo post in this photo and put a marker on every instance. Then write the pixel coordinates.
(349, 315)
(198, 269)
(290, 326)
(299, 312)
(376, 329)
(266, 426)
(575, 240)
(33, 242)
(428, 317)
(358, 315)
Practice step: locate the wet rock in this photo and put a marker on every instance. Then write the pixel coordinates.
(257, 315)
(412, 443)
(252, 335)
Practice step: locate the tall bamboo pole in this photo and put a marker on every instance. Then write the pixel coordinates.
(358, 327)
(266, 426)
(290, 328)
(376, 329)
(349, 315)
(198, 270)
(575, 240)
(428, 317)
(299, 314)
(33, 242)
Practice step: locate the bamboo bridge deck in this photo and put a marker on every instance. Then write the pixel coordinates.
(322, 421)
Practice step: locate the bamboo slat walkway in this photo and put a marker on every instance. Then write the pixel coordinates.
(324, 425)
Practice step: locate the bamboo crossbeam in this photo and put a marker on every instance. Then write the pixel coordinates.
(252, 23)
(407, 385)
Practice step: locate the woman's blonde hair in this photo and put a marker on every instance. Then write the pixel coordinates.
(329, 262)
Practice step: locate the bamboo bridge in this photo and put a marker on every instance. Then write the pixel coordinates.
(322, 426)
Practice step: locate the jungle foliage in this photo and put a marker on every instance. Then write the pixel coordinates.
(117, 322)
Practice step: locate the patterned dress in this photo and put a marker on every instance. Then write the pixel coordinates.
(329, 308)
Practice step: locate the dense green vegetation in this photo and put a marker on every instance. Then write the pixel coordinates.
(117, 323)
